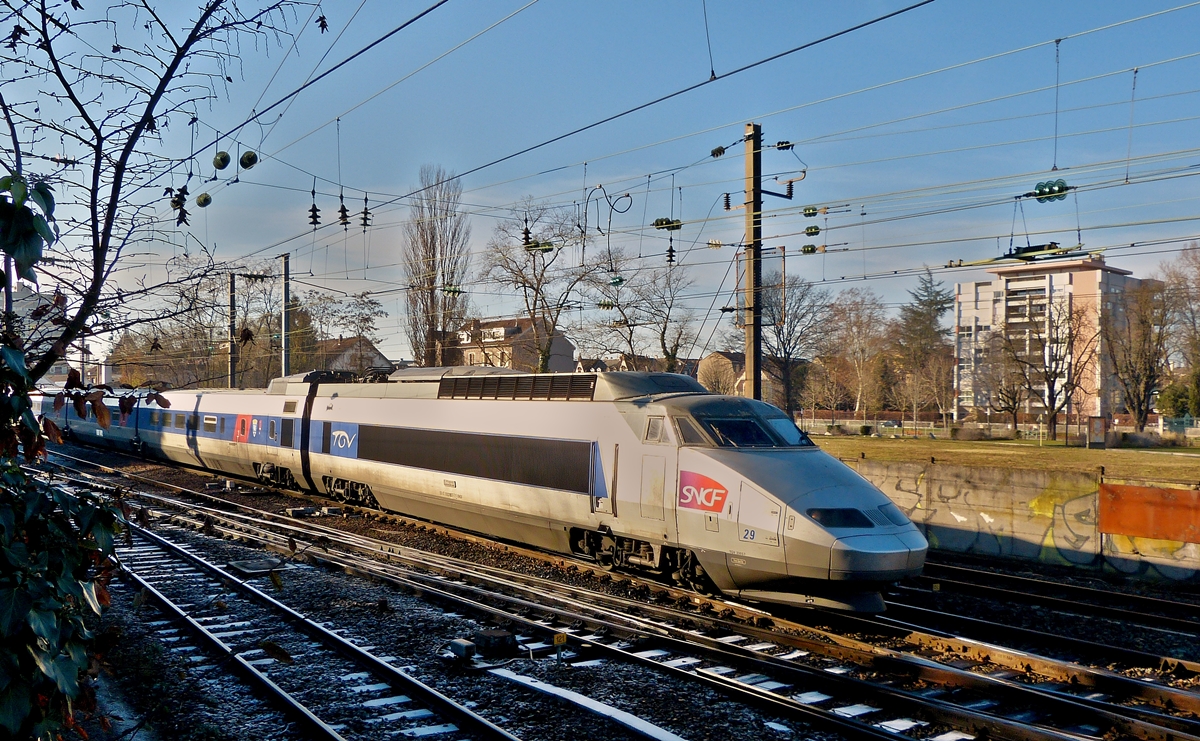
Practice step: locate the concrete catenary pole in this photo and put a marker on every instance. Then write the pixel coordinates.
(753, 252)
(285, 332)
(233, 338)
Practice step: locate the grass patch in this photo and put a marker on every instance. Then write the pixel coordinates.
(1162, 464)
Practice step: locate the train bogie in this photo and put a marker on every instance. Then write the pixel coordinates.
(634, 470)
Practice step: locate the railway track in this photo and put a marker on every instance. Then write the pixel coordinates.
(283, 654)
(1134, 609)
(859, 688)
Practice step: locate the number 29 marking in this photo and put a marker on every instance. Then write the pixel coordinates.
(748, 534)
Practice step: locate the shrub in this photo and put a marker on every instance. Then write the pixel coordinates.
(55, 550)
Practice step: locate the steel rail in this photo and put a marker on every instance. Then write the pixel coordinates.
(861, 653)
(471, 721)
(916, 619)
(1145, 604)
(1074, 675)
(873, 657)
(276, 693)
(1063, 604)
(956, 716)
(440, 589)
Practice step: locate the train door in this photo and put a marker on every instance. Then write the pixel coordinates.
(659, 463)
(758, 554)
(241, 428)
(654, 479)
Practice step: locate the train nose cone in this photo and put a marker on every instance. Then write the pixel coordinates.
(874, 557)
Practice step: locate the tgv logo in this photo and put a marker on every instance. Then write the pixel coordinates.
(343, 439)
(701, 492)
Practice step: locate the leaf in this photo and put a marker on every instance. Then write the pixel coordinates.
(60, 401)
(61, 669)
(51, 431)
(43, 196)
(291, 544)
(161, 400)
(104, 538)
(6, 182)
(14, 605)
(103, 416)
(15, 359)
(43, 229)
(277, 580)
(19, 190)
(93, 597)
(45, 625)
(94, 395)
(14, 707)
(74, 380)
(275, 651)
(26, 254)
(80, 406)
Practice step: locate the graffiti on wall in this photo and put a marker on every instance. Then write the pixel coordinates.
(1040, 516)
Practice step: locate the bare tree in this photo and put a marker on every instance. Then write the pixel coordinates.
(527, 255)
(435, 262)
(1053, 343)
(911, 392)
(1135, 335)
(938, 372)
(671, 324)
(89, 124)
(795, 330)
(859, 330)
(825, 384)
(86, 99)
(1000, 380)
(1182, 279)
(617, 295)
(718, 378)
(325, 311)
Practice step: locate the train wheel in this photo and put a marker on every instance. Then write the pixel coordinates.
(606, 554)
(693, 575)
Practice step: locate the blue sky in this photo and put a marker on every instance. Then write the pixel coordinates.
(558, 65)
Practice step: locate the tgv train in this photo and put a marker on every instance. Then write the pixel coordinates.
(641, 471)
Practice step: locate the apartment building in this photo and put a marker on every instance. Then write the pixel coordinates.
(1022, 302)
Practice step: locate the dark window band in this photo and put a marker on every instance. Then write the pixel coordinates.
(554, 464)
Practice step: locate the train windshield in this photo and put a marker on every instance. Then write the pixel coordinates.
(742, 423)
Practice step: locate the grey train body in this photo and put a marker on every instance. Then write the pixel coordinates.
(636, 470)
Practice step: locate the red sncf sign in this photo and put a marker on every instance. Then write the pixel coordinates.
(701, 492)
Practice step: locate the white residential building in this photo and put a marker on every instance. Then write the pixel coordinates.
(1020, 294)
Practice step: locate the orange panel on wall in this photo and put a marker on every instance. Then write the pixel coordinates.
(1146, 512)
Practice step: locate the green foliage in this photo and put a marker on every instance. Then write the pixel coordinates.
(920, 332)
(23, 231)
(1173, 400)
(55, 546)
(55, 550)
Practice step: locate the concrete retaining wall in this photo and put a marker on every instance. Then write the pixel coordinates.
(1049, 517)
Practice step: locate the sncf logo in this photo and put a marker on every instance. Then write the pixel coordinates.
(701, 492)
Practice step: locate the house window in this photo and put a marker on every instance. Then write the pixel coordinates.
(471, 359)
